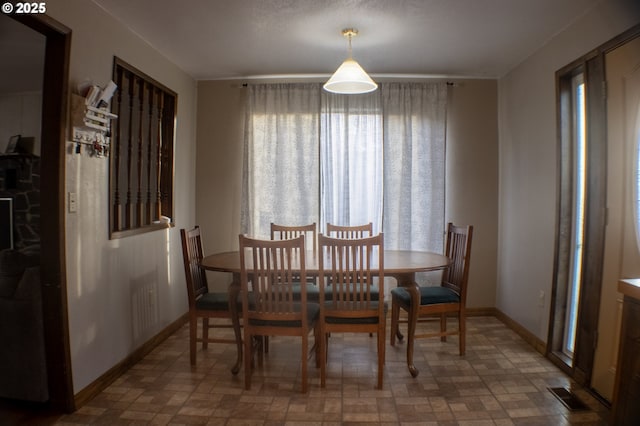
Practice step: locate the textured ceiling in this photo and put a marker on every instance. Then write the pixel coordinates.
(214, 39)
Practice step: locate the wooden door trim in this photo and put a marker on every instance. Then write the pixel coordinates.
(592, 64)
(52, 201)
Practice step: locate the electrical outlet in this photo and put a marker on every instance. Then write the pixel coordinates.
(541, 298)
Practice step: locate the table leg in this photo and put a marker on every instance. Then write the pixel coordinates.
(234, 290)
(407, 280)
(412, 323)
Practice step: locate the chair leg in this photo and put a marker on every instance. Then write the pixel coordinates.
(318, 345)
(248, 358)
(193, 334)
(260, 342)
(205, 333)
(235, 314)
(383, 333)
(443, 327)
(324, 343)
(462, 331)
(305, 348)
(238, 336)
(395, 316)
(381, 355)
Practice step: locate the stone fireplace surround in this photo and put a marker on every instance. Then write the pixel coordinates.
(20, 180)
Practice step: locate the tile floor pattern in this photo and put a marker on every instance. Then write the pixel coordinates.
(500, 381)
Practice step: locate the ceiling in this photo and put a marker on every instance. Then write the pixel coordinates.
(220, 39)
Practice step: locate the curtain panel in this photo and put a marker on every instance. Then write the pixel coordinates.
(312, 156)
(281, 165)
(351, 162)
(414, 154)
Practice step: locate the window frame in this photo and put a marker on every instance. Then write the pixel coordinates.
(592, 67)
(138, 219)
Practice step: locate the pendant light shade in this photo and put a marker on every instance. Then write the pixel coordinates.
(350, 78)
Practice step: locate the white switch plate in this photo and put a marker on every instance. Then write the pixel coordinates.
(73, 202)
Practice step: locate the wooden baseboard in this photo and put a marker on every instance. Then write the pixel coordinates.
(528, 337)
(471, 312)
(480, 312)
(102, 382)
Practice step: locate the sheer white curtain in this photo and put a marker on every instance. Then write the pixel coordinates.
(414, 165)
(313, 156)
(351, 160)
(281, 164)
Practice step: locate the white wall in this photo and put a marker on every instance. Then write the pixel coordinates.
(20, 114)
(104, 276)
(528, 160)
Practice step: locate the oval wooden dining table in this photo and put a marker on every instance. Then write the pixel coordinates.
(402, 265)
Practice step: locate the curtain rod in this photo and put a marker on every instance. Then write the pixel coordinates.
(448, 83)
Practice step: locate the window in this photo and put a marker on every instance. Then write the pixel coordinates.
(580, 231)
(312, 156)
(141, 173)
(578, 143)
(351, 157)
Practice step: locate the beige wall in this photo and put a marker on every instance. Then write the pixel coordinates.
(472, 177)
(20, 114)
(528, 148)
(219, 167)
(105, 277)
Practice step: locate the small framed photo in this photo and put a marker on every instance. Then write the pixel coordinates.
(12, 145)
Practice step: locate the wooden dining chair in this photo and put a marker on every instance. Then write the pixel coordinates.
(285, 232)
(352, 232)
(267, 270)
(203, 304)
(349, 269)
(447, 298)
(356, 231)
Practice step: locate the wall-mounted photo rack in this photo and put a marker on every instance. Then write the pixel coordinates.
(98, 119)
(91, 125)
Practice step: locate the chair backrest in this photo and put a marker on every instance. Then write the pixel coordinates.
(458, 249)
(350, 232)
(196, 277)
(268, 269)
(348, 268)
(287, 232)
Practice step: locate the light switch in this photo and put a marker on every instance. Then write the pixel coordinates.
(73, 202)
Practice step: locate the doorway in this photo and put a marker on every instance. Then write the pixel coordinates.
(591, 209)
(52, 229)
(621, 255)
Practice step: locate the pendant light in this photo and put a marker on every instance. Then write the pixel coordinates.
(350, 78)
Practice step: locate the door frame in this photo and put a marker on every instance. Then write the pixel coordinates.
(593, 65)
(52, 201)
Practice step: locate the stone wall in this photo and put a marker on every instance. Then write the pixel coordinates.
(20, 180)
